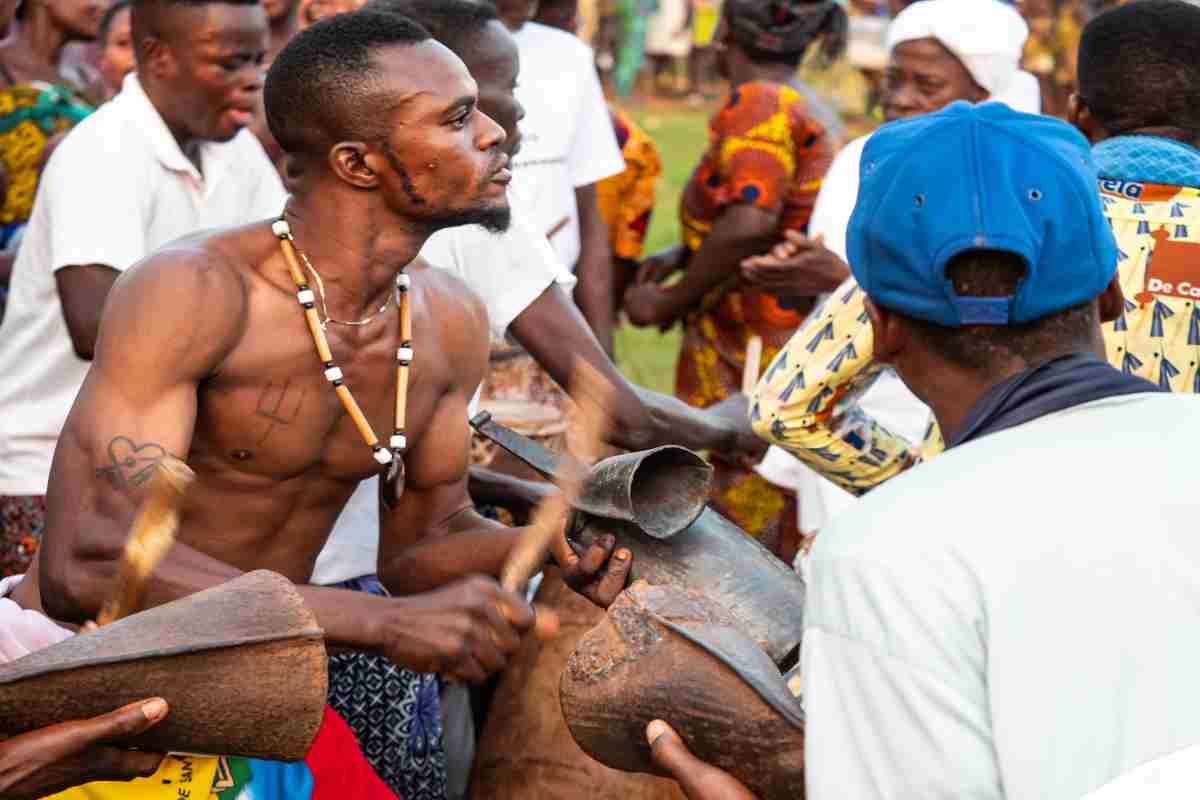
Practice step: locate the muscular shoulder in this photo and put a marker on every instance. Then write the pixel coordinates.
(189, 298)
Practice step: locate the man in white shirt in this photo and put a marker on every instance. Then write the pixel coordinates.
(569, 146)
(958, 644)
(165, 158)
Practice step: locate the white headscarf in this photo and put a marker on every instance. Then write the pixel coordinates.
(987, 36)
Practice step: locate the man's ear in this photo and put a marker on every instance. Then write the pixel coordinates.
(1080, 116)
(1112, 300)
(352, 162)
(891, 334)
(155, 58)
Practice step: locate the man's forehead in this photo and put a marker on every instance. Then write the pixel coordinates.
(427, 74)
(928, 53)
(220, 24)
(493, 48)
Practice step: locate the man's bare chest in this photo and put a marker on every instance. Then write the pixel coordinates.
(271, 412)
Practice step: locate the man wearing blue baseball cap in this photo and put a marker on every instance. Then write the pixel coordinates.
(955, 644)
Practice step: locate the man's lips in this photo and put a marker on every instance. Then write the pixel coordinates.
(502, 175)
(240, 116)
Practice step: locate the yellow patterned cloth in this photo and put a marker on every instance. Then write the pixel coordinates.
(806, 400)
(31, 115)
(627, 198)
(187, 777)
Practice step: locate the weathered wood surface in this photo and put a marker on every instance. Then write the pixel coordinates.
(526, 751)
(241, 665)
(720, 560)
(728, 701)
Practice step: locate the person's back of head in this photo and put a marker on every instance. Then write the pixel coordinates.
(199, 60)
(1139, 71)
(561, 14)
(981, 230)
(780, 31)
(455, 23)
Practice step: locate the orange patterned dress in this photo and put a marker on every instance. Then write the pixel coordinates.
(765, 149)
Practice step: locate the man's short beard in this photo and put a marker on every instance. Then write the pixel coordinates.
(494, 220)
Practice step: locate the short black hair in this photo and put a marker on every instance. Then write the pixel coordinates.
(984, 348)
(1139, 66)
(106, 22)
(455, 23)
(145, 16)
(321, 85)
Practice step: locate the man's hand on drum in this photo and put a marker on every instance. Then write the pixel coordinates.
(600, 574)
(51, 759)
(699, 780)
(466, 630)
(796, 267)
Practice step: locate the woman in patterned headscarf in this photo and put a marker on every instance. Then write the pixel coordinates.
(767, 154)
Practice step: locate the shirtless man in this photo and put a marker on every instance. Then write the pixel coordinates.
(204, 352)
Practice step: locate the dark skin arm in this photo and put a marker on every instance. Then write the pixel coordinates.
(52, 759)
(150, 359)
(83, 291)
(741, 231)
(553, 332)
(594, 292)
(433, 534)
(518, 495)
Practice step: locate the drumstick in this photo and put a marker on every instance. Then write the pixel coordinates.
(545, 531)
(150, 538)
(556, 227)
(750, 370)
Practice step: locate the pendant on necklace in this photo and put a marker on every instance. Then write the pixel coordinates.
(391, 485)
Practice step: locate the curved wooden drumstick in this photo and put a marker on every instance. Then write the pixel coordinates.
(545, 532)
(150, 538)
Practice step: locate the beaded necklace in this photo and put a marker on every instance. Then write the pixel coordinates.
(393, 458)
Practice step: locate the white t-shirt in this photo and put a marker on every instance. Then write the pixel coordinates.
(568, 134)
(1014, 619)
(508, 271)
(115, 190)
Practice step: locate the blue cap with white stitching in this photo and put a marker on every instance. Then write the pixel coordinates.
(980, 177)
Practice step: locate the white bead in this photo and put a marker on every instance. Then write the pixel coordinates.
(404, 354)
(333, 374)
(305, 297)
(281, 229)
(383, 456)
(402, 281)
(398, 441)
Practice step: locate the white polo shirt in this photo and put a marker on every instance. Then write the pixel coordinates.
(1014, 619)
(568, 134)
(116, 189)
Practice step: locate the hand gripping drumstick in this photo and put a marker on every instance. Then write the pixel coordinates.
(150, 538)
(594, 396)
(750, 371)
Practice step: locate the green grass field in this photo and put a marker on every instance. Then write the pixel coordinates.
(644, 354)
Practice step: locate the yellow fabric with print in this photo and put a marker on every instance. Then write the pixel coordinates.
(806, 400)
(178, 778)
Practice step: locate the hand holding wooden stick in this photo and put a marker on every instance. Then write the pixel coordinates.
(545, 532)
(150, 538)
